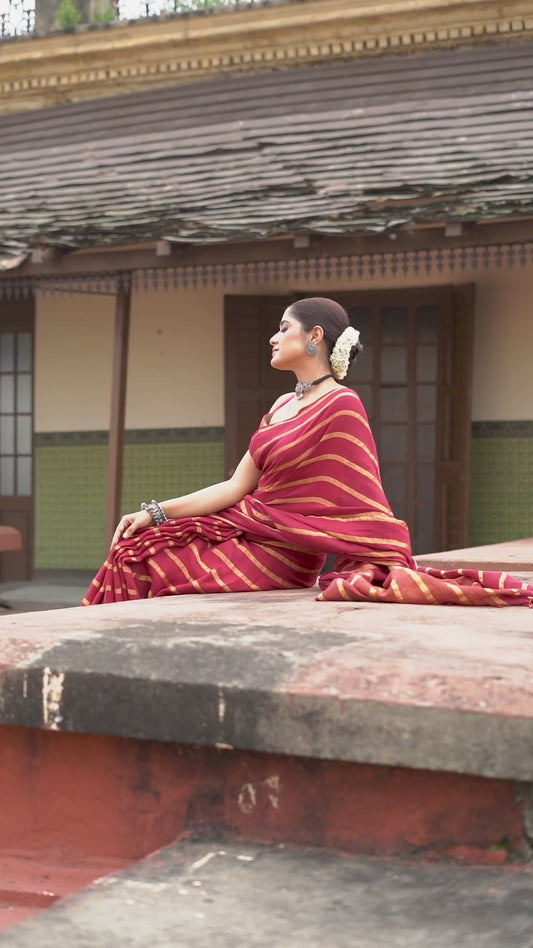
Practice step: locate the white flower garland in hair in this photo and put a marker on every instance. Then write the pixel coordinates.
(340, 357)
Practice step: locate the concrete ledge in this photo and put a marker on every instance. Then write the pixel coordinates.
(511, 556)
(227, 895)
(437, 688)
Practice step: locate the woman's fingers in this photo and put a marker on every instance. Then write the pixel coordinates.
(122, 527)
(134, 522)
(129, 525)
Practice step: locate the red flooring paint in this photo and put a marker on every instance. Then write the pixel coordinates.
(74, 807)
(31, 881)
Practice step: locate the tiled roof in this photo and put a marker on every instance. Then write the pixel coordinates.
(347, 148)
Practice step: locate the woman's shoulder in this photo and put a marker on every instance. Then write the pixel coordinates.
(345, 414)
(347, 397)
(345, 403)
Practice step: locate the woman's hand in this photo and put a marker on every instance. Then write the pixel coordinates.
(130, 524)
(201, 503)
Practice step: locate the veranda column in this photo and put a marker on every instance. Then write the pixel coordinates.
(118, 409)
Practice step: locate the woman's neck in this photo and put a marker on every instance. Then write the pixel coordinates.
(308, 390)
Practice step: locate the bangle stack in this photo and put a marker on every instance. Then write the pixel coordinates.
(156, 512)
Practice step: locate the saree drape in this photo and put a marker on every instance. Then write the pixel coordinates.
(319, 493)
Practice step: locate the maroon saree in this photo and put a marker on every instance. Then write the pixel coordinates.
(319, 492)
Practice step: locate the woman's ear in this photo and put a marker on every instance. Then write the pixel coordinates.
(316, 334)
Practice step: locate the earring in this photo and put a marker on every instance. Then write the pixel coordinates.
(311, 348)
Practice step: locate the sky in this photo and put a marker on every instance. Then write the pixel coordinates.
(13, 12)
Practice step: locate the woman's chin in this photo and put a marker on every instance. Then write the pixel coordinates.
(278, 362)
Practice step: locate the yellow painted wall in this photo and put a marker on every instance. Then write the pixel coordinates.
(503, 343)
(73, 362)
(176, 367)
(175, 371)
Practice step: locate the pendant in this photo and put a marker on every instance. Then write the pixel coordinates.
(301, 389)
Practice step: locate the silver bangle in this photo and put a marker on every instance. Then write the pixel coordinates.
(156, 512)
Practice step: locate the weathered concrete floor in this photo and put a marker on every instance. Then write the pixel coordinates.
(50, 589)
(222, 896)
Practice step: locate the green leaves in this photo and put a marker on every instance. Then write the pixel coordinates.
(68, 16)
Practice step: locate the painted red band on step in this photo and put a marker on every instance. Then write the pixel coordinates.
(74, 807)
(108, 798)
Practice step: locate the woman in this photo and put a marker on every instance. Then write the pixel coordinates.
(308, 486)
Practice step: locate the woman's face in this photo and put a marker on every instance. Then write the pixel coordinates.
(288, 344)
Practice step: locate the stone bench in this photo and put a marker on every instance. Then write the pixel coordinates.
(266, 717)
(10, 539)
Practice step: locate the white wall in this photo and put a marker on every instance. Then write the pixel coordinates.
(176, 366)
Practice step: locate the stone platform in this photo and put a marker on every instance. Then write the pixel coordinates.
(260, 718)
(438, 688)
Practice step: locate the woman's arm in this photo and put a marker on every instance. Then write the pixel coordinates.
(209, 500)
(200, 503)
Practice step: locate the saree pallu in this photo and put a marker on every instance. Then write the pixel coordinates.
(425, 585)
(319, 493)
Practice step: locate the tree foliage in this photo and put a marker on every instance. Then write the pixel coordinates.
(68, 16)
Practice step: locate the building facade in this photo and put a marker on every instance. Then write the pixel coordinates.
(156, 222)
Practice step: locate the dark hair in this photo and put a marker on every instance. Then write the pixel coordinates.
(319, 311)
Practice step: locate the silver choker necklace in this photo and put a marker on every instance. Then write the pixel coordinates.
(303, 387)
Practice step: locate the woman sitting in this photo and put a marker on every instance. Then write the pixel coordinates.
(308, 486)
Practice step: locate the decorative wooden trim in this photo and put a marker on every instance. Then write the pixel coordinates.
(284, 273)
(105, 60)
(140, 257)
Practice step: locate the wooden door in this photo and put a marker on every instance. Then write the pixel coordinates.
(414, 378)
(16, 433)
